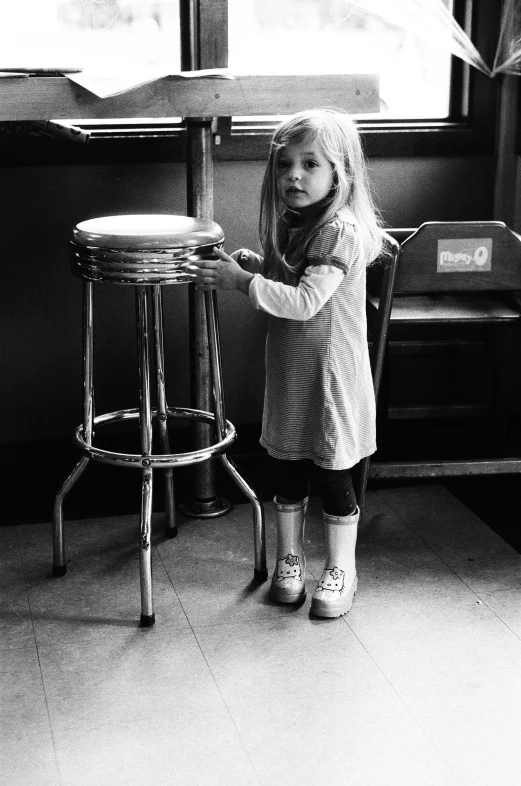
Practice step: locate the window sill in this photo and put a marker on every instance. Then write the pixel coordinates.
(384, 140)
(163, 143)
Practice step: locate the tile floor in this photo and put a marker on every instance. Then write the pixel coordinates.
(420, 684)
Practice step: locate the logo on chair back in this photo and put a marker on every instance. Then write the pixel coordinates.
(464, 255)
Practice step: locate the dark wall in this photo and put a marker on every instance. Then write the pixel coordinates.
(40, 308)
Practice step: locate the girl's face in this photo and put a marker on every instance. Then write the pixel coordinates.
(304, 174)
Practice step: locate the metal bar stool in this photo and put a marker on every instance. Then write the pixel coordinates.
(149, 252)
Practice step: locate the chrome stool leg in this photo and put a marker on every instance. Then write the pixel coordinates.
(145, 420)
(59, 567)
(145, 551)
(162, 409)
(260, 572)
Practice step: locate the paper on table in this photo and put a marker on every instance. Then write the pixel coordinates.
(105, 85)
(40, 71)
(22, 72)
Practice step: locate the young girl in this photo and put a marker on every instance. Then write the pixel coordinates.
(319, 230)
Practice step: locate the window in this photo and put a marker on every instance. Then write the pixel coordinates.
(432, 103)
(313, 36)
(114, 34)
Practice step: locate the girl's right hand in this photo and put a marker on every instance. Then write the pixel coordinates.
(221, 272)
(242, 256)
(248, 260)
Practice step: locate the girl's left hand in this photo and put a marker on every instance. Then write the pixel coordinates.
(221, 273)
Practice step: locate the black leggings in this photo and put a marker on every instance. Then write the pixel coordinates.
(335, 486)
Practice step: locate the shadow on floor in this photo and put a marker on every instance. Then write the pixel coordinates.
(29, 488)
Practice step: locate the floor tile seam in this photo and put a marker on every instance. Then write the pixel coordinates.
(491, 560)
(380, 493)
(368, 603)
(401, 699)
(408, 534)
(44, 644)
(5, 650)
(49, 720)
(499, 590)
(456, 630)
(397, 509)
(482, 566)
(476, 593)
(472, 517)
(450, 569)
(395, 683)
(147, 722)
(444, 562)
(27, 594)
(230, 715)
(467, 673)
(500, 586)
(432, 739)
(171, 582)
(427, 574)
(409, 530)
(484, 602)
(10, 609)
(13, 588)
(61, 781)
(397, 687)
(486, 673)
(240, 623)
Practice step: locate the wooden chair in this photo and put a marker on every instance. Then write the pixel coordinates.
(459, 274)
(381, 278)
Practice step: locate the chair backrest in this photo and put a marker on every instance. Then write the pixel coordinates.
(380, 291)
(458, 256)
(384, 274)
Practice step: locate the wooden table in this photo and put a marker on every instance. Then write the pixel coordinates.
(45, 98)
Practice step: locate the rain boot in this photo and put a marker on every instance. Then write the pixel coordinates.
(335, 592)
(288, 581)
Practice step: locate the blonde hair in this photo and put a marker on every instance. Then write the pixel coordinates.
(339, 140)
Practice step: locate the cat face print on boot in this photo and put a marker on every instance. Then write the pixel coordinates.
(288, 582)
(332, 581)
(332, 598)
(288, 568)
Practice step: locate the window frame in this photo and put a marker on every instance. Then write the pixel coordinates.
(469, 131)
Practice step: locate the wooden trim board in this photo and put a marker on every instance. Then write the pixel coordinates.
(44, 98)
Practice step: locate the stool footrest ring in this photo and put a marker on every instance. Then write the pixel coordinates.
(155, 461)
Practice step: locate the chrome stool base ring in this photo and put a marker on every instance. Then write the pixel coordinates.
(155, 461)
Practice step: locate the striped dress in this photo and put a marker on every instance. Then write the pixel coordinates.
(319, 399)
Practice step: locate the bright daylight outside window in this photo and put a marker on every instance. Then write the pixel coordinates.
(102, 36)
(265, 37)
(333, 36)
(98, 34)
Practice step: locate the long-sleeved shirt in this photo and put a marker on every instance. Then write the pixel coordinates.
(319, 399)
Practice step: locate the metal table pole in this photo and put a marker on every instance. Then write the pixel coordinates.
(196, 27)
(204, 501)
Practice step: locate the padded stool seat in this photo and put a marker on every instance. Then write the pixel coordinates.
(142, 249)
(149, 252)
